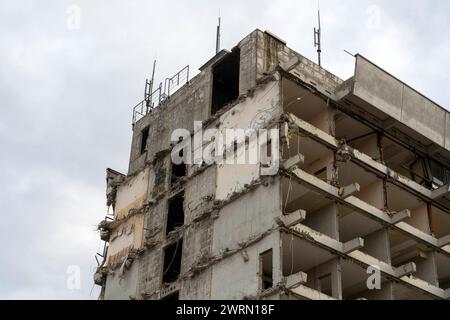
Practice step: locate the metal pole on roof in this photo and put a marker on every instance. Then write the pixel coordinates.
(317, 39)
(218, 37)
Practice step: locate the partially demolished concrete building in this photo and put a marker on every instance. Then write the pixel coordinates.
(362, 190)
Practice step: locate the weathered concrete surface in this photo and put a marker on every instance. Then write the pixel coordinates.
(122, 287)
(232, 213)
(244, 274)
(394, 99)
(247, 218)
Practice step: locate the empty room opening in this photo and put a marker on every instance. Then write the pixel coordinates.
(266, 262)
(225, 81)
(178, 170)
(144, 138)
(175, 216)
(172, 262)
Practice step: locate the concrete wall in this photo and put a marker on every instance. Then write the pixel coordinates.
(192, 101)
(244, 275)
(247, 217)
(399, 101)
(252, 113)
(122, 286)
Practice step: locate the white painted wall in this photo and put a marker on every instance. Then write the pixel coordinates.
(131, 194)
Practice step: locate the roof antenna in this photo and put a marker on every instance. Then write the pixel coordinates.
(149, 85)
(218, 36)
(317, 37)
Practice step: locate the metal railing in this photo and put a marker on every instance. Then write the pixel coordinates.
(160, 95)
(150, 102)
(171, 85)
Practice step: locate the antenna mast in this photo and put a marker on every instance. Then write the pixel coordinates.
(218, 37)
(149, 86)
(317, 39)
(153, 76)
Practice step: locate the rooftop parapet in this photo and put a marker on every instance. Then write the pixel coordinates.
(397, 105)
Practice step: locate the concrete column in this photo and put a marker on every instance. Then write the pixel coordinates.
(427, 268)
(325, 221)
(377, 245)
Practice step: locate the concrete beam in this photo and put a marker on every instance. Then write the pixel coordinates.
(291, 219)
(353, 245)
(425, 287)
(443, 191)
(402, 215)
(322, 187)
(293, 162)
(349, 190)
(291, 64)
(313, 132)
(360, 158)
(310, 294)
(406, 269)
(294, 280)
(444, 241)
(401, 273)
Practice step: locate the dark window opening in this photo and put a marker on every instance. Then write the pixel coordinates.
(269, 149)
(172, 262)
(178, 170)
(175, 217)
(266, 262)
(440, 174)
(225, 81)
(144, 138)
(172, 297)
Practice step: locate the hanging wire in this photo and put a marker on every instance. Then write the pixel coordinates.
(288, 194)
(173, 258)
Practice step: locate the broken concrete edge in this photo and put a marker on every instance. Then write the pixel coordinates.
(441, 192)
(444, 241)
(200, 265)
(349, 190)
(293, 162)
(176, 235)
(291, 64)
(273, 76)
(406, 269)
(308, 293)
(399, 274)
(207, 261)
(109, 225)
(365, 161)
(134, 254)
(365, 209)
(401, 216)
(352, 245)
(291, 219)
(294, 280)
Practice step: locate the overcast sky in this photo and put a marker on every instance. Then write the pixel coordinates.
(67, 92)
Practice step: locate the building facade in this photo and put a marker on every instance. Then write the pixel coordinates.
(351, 202)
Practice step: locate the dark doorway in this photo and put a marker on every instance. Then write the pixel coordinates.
(175, 216)
(225, 81)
